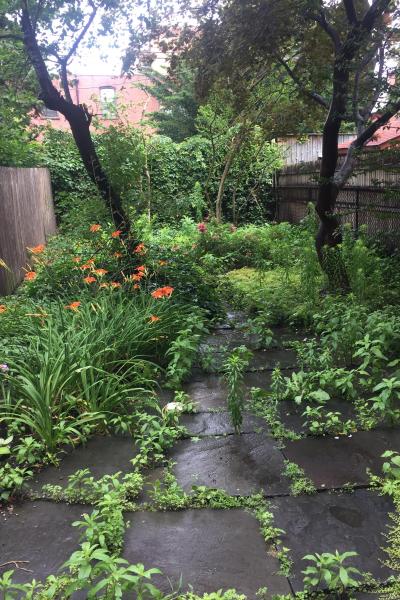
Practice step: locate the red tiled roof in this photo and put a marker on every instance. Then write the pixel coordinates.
(382, 138)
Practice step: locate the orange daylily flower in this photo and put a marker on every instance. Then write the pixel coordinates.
(73, 306)
(116, 234)
(89, 279)
(88, 264)
(139, 248)
(100, 271)
(154, 318)
(95, 227)
(37, 249)
(137, 277)
(115, 284)
(3, 308)
(141, 269)
(117, 254)
(136, 286)
(163, 292)
(104, 285)
(30, 275)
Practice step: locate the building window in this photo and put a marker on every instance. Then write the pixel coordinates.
(48, 113)
(108, 103)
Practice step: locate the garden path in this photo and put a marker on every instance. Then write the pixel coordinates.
(213, 549)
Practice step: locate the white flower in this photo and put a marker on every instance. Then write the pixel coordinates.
(174, 406)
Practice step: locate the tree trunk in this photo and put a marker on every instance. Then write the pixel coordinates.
(329, 236)
(234, 149)
(79, 120)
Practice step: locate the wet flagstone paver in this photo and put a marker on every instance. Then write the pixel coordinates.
(261, 360)
(225, 340)
(102, 455)
(262, 379)
(209, 392)
(210, 549)
(239, 465)
(219, 423)
(292, 417)
(40, 533)
(267, 360)
(326, 522)
(213, 549)
(230, 339)
(331, 462)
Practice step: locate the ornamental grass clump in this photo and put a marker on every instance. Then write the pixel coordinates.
(84, 363)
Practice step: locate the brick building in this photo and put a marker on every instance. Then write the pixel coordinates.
(109, 97)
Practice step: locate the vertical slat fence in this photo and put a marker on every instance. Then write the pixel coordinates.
(26, 219)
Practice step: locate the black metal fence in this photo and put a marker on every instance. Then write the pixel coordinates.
(377, 209)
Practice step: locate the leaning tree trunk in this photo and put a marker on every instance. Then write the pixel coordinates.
(233, 151)
(79, 120)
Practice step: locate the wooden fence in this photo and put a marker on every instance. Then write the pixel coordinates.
(371, 198)
(26, 220)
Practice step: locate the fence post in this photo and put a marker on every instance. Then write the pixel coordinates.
(357, 208)
(276, 194)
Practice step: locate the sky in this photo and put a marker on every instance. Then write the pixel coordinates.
(105, 60)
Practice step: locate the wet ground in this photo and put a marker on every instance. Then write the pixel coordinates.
(214, 549)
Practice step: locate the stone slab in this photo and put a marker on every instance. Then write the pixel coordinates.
(239, 464)
(206, 424)
(41, 533)
(327, 522)
(267, 360)
(208, 392)
(331, 462)
(291, 414)
(262, 379)
(230, 339)
(209, 549)
(262, 360)
(102, 455)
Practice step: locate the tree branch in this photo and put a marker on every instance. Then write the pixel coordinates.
(311, 94)
(64, 80)
(350, 12)
(346, 169)
(367, 110)
(11, 36)
(328, 28)
(82, 34)
(359, 118)
(377, 7)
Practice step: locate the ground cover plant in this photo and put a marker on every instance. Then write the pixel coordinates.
(215, 356)
(96, 337)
